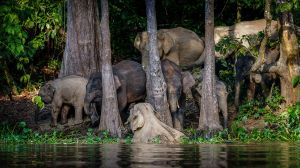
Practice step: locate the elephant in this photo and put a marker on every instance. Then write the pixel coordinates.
(130, 84)
(243, 28)
(62, 93)
(222, 95)
(146, 126)
(179, 45)
(243, 67)
(177, 88)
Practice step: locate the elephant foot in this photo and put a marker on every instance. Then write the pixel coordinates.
(53, 125)
(76, 122)
(63, 122)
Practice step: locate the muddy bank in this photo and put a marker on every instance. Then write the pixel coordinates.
(21, 108)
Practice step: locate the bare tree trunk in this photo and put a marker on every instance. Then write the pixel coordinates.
(288, 65)
(238, 11)
(156, 85)
(262, 50)
(82, 52)
(9, 79)
(209, 121)
(110, 117)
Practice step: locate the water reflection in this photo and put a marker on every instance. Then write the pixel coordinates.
(151, 155)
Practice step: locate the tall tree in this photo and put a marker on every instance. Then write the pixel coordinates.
(288, 66)
(110, 118)
(156, 85)
(209, 121)
(82, 50)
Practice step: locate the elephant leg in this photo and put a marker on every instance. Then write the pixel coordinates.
(122, 102)
(178, 120)
(251, 90)
(237, 93)
(224, 110)
(54, 114)
(78, 114)
(64, 114)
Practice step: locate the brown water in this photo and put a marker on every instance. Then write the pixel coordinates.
(156, 155)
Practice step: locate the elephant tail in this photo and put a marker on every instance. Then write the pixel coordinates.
(199, 61)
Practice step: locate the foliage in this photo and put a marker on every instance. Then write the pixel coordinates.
(38, 101)
(25, 27)
(228, 45)
(288, 6)
(296, 81)
(21, 134)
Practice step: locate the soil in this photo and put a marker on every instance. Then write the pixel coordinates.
(21, 108)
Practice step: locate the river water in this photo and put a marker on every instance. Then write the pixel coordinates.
(151, 155)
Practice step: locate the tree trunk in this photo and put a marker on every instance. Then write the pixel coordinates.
(82, 51)
(238, 11)
(288, 66)
(262, 50)
(209, 121)
(156, 85)
(110, 117)
(9, 80)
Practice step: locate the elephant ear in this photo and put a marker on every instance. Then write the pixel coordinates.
(188, 82)
(166, 41)
(141, 40)
(50, 89)
(117, 82)
(137, 41)
(136, 119)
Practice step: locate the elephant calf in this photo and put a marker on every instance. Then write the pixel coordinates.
(177, 88)
(243, 75)
(61, 92)
(130, 83)
(222, 94)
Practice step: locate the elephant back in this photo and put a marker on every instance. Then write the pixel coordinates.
(132, 78)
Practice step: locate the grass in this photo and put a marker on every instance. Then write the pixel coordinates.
(21, 134)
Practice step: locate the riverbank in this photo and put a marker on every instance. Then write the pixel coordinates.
(256, 121)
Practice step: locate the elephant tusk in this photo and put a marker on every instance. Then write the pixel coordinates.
(128, 120)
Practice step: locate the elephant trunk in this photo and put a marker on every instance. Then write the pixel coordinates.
(90, 108)
(225, 116)
(87, 103)
(237, 93)
(94, 114)
(173, 102)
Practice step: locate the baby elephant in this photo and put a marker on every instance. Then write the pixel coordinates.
(62, 92)
(222, 94)
(178, 87)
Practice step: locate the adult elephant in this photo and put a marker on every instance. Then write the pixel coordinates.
(130, 83)
(179, 45)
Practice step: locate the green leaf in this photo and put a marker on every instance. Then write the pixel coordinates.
(48, 26)
(25, 78)
(296, 81)
(38, 101)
